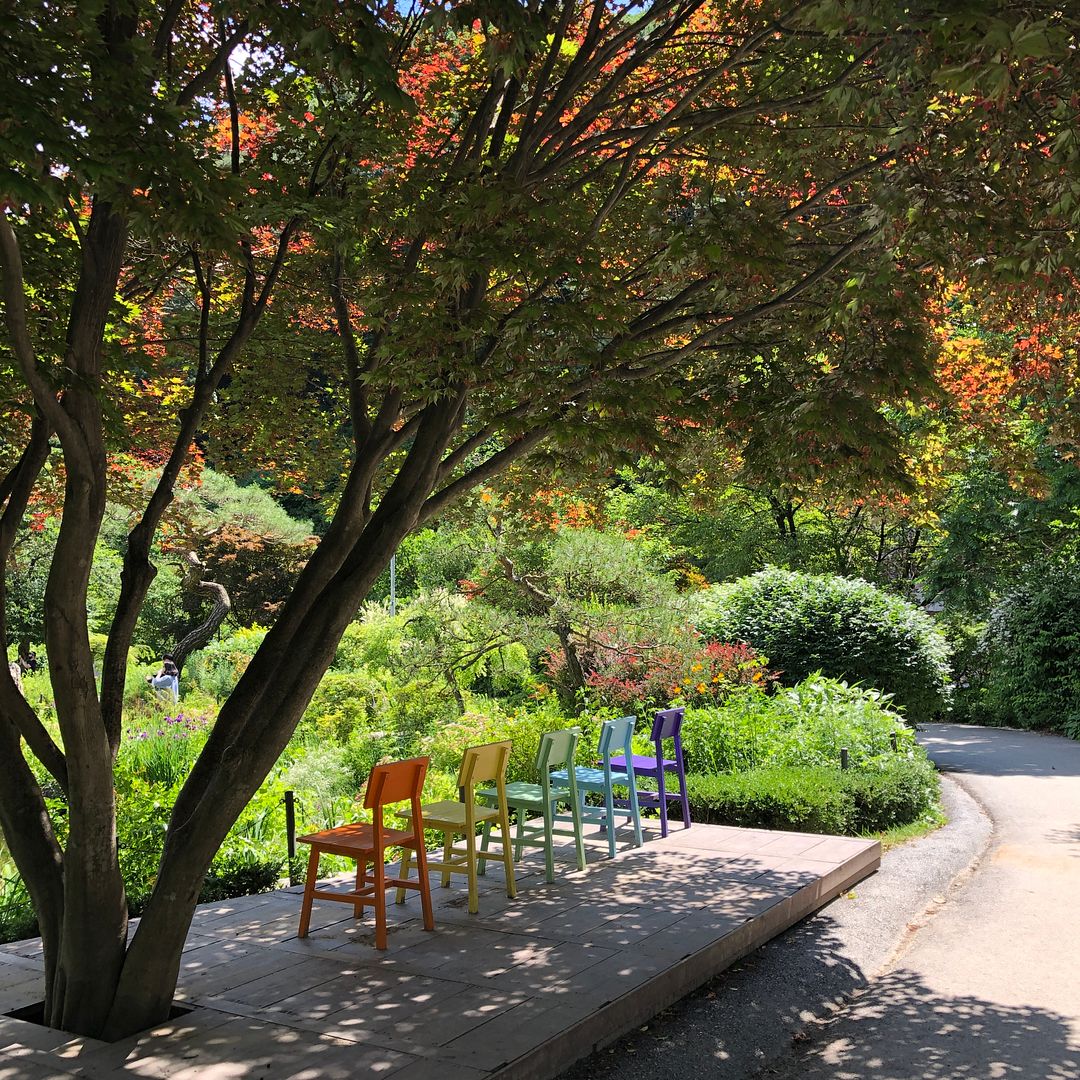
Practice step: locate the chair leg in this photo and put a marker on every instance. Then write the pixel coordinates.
(507, 853)
(358, 908)
(663, 800)
(635, 810)
(685, 799)
(379, 876)
(448, 854)
(579, 834)
(609, 808)
(519, 844)
(309, 889)
(403, 873)
(485, 839)
(425, 885)
(470, 870)
(549, 844)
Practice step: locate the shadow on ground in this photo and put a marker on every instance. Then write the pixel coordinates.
(897, 1028)
(738, 1020)
(900, 1029)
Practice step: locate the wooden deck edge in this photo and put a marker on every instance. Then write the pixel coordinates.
(639, 1005)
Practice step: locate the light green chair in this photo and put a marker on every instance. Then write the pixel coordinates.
(557, 749)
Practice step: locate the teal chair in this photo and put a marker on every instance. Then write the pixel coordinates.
(557, 749)
(616, 737)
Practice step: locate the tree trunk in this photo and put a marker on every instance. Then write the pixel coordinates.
(197, 638)
(258, 718)
(575, 673)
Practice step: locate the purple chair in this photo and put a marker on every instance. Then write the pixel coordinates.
(666, 725)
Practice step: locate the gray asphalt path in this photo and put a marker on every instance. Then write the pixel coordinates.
(990, 987)
(758, 1016)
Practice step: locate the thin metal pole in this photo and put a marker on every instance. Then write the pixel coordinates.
(893, 740)
(393, 584)
(843, 757)
(290, 831)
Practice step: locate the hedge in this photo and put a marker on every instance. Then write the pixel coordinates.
(815, 799)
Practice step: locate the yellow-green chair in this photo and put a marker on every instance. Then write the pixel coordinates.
(479, 765)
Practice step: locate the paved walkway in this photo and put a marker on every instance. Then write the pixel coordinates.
(990, 987)
(517, 992)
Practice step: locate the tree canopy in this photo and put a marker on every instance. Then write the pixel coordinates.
(382, 254)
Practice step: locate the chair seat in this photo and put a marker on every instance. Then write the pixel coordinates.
(642, 764)
(346, 839)
(450, 812)
(522, 792)
(587, 777)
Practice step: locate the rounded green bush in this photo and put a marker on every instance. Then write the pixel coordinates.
(1033, 645)
(845, 628)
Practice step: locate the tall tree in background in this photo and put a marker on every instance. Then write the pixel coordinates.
(435, 243)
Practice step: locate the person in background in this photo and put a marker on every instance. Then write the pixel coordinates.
(168, 678)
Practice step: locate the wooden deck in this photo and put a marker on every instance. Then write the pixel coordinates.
(521, 990)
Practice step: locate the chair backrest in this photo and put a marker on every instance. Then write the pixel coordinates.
(482, 764)
(557, 749)
(616, 736)
(667, 724)
(395, 782)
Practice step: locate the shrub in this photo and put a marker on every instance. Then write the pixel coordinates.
(848, 629)
(1033, 644)
(216, 668)
(17, 918)
(345, 702)
(241, 874)
(816, 799)
(799, 799)
(895, 794)
(807, 724)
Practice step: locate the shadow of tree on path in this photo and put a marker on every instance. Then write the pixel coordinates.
(901, 1029)
(769, 1018)
(741, 1017)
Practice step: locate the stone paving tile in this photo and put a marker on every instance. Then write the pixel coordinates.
(287, 981)
(373, 991)
(439, 1070)
(21, 1064)
(420, 1027)
(245, 1047)
(500, 1040)
(550, 967)
(19, 990)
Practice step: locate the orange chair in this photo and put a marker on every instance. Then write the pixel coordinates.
(392, 783)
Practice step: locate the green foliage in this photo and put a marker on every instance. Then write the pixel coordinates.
(845, 628)
(523, 727)
(216, 668)
(801, 799)
(163, 753)
(992, 527)
(1033, 644)
(806, 724)
(241, 874)
(816, 799)
(17, 919)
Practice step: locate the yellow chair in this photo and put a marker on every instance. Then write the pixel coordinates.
(480, 765)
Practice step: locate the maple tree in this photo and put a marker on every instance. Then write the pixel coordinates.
(408, 247)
